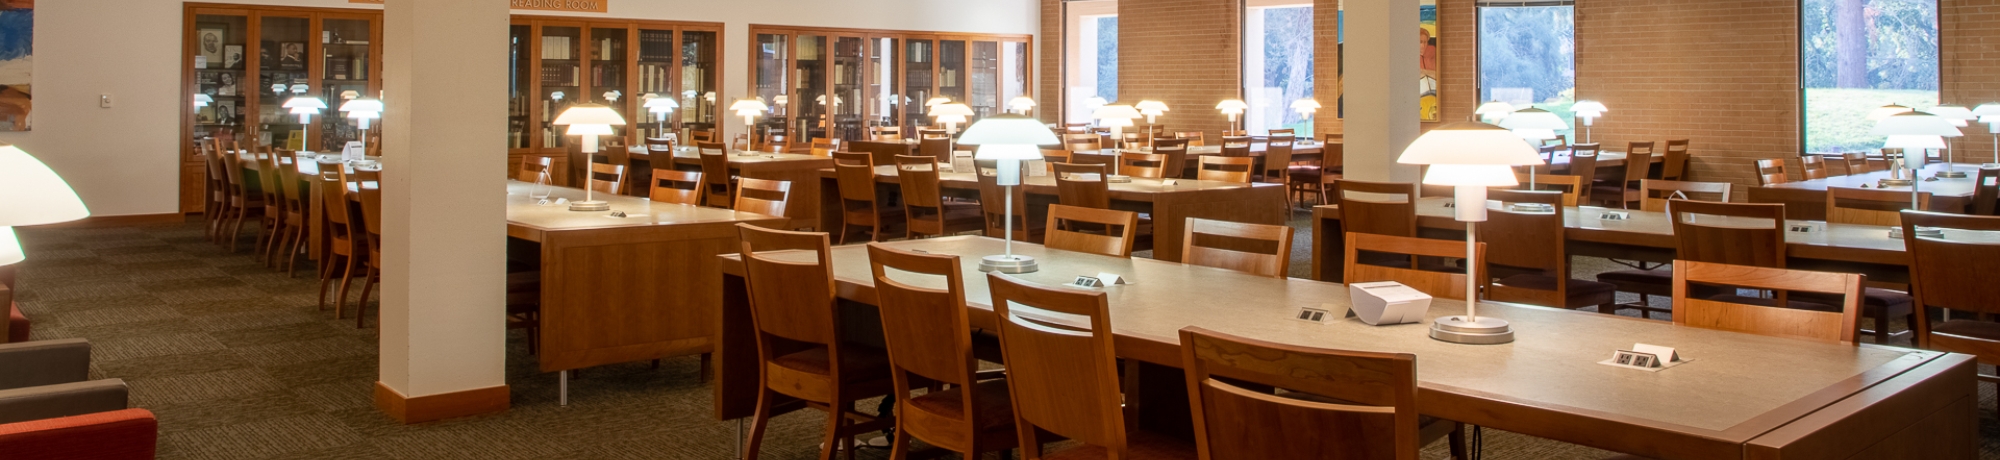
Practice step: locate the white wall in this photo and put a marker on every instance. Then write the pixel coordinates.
(124, 160)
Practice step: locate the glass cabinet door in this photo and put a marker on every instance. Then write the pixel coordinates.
(656, 66)
(699, 52)
(220, 60)
(607, 73)
(346, 69)
(562, 79)
(807, 107)
(282, 65)
(951, 69)
(520, 59)
(916, 85)
(882, 95)
(773, 51)
(984, 73)
(1013, 73)
(845, 102)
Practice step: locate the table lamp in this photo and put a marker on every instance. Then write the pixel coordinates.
(1885, 111)
(1959, 117)
(950, 114)
(1021, 104)
(1151, 109)
(1990, 115)
(305, 107)
(1493, 112)
(1470, 156)
(660, 107)
(1913, 130)
(202, 100)
(362, 109)
(589, 120)
(1009, 139)
(1306, 108)
(35, 194)
(1588, 111)
(10, 248)
(749, 109)
(1232, 108)
(1533, 125)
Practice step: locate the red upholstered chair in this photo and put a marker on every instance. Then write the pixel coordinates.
(111, 435)
(17, 324)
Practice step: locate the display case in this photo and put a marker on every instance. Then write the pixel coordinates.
(250, 60)
(562, 61)
(837, 83)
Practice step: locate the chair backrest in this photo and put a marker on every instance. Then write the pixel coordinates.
(1382, 208)
(1879, 161)
(1771, 171)
(699, 136)
(1986, 190)
(664, 144)
(532, 169)
(1856, 162)
(1143, 165)
(1637, 147)
(371, 218)
(1583, 164)
(606, 178)
(715, 184)
(1175, 150)
(1280, 132)
(1120, 229)
(1226, 168)
(1437, 284)
(676, 186)
(923, 200)
(1767, 320)
(1375, 416)
(1278, 156)
(993, 201)
(1194, 138)
(1094, 157)
(1812, 167)
(268, 183)
(1729, 233)
(1235, 146)
(790, 299)
(1199, 246)
(1952, 272)
(938, 148)
(1075, 128)
(1638, 161)
(856, 185)
(1871, 206)
(711, 147)
(1526, 239)
(1082, 185)
(854, 158)
(1062, 372)
(932, 134)
(824, 147)
(333, 195)
(924, 328)
(1567, 184)
(767, 197)
(885, 133)
(1674, 165)
(1082, 142)
(1653, 194)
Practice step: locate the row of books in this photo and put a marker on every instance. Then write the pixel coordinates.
(656, 46)
(557, 48)
(559, 74)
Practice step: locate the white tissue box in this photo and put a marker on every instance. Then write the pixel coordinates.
(1388, 302)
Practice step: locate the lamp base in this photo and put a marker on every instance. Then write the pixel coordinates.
(1479, 331)
(1950, 174)
(1008, 264)
(593, 205)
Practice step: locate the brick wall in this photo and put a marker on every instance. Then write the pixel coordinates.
(1186, 53)
(1048, 92)
(1971, 70)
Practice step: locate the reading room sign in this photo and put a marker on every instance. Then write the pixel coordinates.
(581, 6)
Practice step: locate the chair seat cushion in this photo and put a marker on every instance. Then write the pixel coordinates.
(1581, 292)
(994, 407)
(860, 363)
(1139, 444)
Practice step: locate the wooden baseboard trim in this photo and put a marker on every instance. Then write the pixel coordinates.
(489, 400)
(121, 221)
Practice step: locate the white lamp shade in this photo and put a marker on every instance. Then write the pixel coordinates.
(1305, 106)
(660, 104)
(362, 105)
(1886, 111)
(1589, 106)
(589, 114)
(1989, 119)
(1589, 114)
(1007, 152)
(304, 111)
(1986, 110)
(35, 195)
(1021, 103)
(1095, 102)
(1915, 123)
(1151, 107)
(936, 100)
(202, 99)
(1534, 118)
(1009, 129)
(950, 118)
(1495, 109)
(305, 102)
(954, 109)
(1236, 105)
(748, 105)
(1469, 143)
(10, 248)
(1913, 142)
(360, 115)
(1535, 134)
(1115, 122)
(584, 129)
(1471, 175)
(1958, 116)
(1113, 112)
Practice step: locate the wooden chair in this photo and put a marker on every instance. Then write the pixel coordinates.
(1174, 166)
(824, 147)
(1277, 159)
(938, 148)
(860, 207)
(1705, 240)
(1082, 185)
(718, 183)
(676, 186)
(1812, 167)
(1082, 142)
(1567, 184)
(1319, 179)
(924, 209)
(1724, 314)
(215, 188)
(1625, 190)
(1532, 242)
(533, 168)
(801, 349)
(343, 240)
(1357, 405)
(1143, 165)
(1856, 163)
(607, 178)
(1121, 227)
(1063, 374)
(1075, 128)
(297, 193)
(1879, 161)
(1655, 193)
(1869, 206)
(1771, 172)
(1436, 283)
(1954, 274)
(272, 223)
(1201, 234)
(1382, 208)
(371, 224)
(1194, 138)
(854, 158)
(1675, 164)
(885, 133)
(1226, 169)
(1274, 132)
(1583, 165)
(993, 204)
(767, 197)
(1986, 191)
(242, 198)
(925, 332)
(1236, 146)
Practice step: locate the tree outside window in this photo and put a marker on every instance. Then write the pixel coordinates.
(1278, 59)
(1857, 55)
(1527, 57)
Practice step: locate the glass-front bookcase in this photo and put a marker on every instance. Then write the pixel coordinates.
(837, 83)
(558, 62)
(249, 60)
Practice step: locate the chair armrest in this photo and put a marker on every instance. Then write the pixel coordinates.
(62, 400)
(44, 362)
(118, 435)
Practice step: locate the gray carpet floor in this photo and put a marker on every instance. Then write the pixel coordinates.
(239, 363)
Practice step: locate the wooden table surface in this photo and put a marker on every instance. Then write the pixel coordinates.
(530, 221)
(1303, 147)
(1943, 187)
(800, 170)
(1547, 383)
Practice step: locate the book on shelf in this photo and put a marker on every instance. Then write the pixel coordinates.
(556, 48)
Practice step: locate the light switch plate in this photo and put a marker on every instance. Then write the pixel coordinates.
(104, 100)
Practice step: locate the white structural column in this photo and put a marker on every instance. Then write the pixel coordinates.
(444, 210)
(1380, 88)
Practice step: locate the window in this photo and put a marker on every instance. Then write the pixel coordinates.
(1527, 55)
(1859, 55)
(1278, 61)
(1090, 39)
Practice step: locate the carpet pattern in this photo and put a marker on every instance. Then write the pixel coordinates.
(239, 363)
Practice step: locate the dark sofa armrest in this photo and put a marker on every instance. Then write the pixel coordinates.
(115, 435)
(44, 362)
(62, 400)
